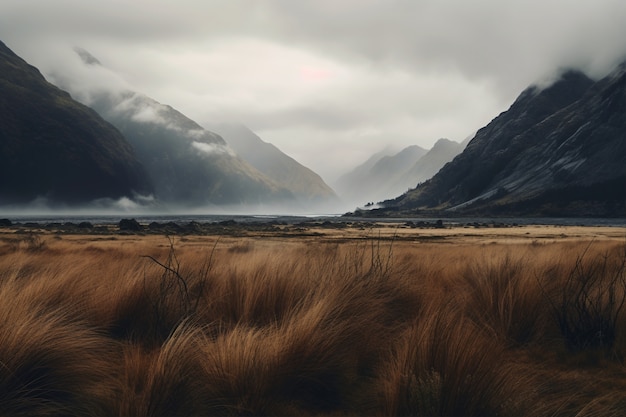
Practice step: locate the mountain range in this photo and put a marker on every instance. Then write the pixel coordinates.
(55, 150)
(188, 165)
(58, 151)
(557, 151)
(191, 166)
(387, 174)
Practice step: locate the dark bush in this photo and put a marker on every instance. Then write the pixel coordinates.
(130, 225)
(589, 303)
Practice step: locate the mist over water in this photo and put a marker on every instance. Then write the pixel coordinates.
(243, 216)
(149, 209)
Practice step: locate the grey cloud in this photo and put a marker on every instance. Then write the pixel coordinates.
(410, 71)
(512, 42)
(388, 102)
(479, 37)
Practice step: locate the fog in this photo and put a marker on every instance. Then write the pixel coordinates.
(147, 206)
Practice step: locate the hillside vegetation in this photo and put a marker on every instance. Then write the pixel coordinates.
(130, 325)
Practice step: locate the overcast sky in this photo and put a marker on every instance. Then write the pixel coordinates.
(328, 81)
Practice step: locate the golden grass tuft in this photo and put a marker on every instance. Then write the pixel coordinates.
(444, 365)
(51, 364)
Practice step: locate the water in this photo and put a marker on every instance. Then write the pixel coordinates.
(291, 219)
(160, 218)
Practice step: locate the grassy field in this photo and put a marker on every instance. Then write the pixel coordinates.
(387, 320)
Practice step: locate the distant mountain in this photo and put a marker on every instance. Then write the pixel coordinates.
(380, 177)
(305, 184)
(344, 183)
(442, 152)
(557, 151)
(188, 165)
(55, 149)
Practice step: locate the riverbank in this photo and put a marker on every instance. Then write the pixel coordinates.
(324, 230)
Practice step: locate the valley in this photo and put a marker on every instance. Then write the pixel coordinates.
(313, 208)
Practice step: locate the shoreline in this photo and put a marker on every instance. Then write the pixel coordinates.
(314, 230)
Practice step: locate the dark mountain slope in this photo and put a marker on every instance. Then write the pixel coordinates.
(56, 148)
(560, 151)
(305, 184)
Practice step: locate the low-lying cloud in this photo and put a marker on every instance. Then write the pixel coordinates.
(133, 204)
(208, 149)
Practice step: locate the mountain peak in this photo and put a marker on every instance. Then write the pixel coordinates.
(305, 184)
(86, 57)
(444, 143)
(566, 88)
(568, 83)
(386, 173)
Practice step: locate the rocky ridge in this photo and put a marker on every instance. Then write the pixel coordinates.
(557, 151)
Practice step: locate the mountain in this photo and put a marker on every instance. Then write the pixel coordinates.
(380, 177)
(188, 165)
(557, 151)
(56, 149)
(442, 152)
(305, 184)
(346, 181)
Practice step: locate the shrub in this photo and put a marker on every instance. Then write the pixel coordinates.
(588, 304)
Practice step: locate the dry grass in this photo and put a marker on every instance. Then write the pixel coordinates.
(206, 326)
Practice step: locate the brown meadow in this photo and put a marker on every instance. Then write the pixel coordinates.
(387, 321)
